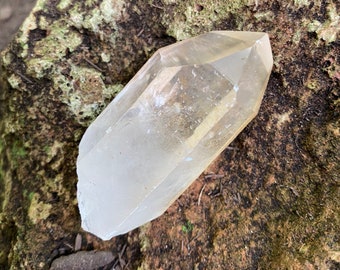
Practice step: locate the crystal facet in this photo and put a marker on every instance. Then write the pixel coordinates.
(178, 113)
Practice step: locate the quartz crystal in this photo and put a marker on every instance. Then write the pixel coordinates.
(177, 114)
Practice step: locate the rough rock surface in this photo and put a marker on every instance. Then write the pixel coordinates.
(270, 201)
(83, 260)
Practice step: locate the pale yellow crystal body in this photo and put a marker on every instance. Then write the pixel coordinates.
(184, 106)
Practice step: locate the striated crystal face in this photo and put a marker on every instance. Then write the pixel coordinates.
(184, 106)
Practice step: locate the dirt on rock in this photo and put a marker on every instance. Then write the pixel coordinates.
(271, 199)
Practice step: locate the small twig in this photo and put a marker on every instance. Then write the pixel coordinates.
(162, 8)
(196, 237)
(140, 32)
(189, 249)
(115, 264)
(238, 197)
(93, 65)
(68, 245)
(200, 196)
(215, 176)
(123, 250)
(121, 261)
(23, 77)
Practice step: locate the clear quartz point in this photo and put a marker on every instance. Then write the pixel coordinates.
(177, 114)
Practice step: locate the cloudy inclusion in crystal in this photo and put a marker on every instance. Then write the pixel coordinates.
(185, 105)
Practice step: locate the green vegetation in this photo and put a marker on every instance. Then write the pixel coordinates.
(187, 227)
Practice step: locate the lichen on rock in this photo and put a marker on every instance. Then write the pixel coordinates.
(38, 210)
